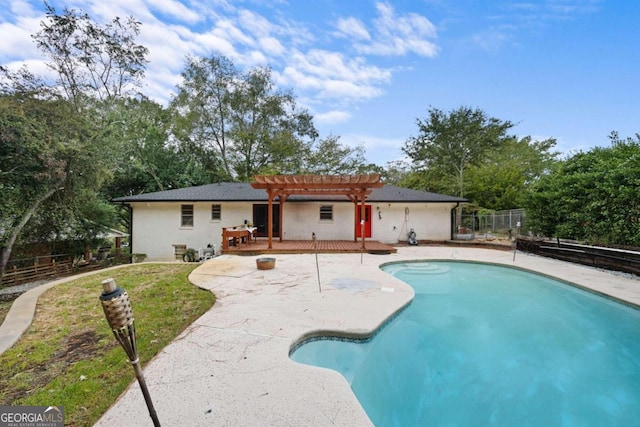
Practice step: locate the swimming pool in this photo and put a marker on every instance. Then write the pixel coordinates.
(489, 345)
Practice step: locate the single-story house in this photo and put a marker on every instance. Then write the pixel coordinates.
(196, 216)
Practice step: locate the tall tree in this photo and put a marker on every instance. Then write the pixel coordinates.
(499, 181)
(449, 143)
(62, 129)
(395, 172)
(591, 196)
(91, 60)
(147, 159)
(269, 133)
(253, 126)
(38, 140)
(202, 107)
(328, 156)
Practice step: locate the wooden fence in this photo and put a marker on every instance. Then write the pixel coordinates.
(625, 260)
(38, 271)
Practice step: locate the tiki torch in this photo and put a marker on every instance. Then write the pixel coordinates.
(117, 309)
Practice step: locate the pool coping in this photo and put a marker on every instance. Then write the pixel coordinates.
(614, 298)
(232, 366)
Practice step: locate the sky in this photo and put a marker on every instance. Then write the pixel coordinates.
(367, 70)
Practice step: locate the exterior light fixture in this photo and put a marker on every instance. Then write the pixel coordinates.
(117, 309)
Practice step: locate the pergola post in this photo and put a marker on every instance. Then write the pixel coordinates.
(270, 218)
(356, 223)
(363, 214)
(354, 187)
(281, 198)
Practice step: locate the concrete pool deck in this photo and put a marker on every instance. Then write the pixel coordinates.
(231, 366)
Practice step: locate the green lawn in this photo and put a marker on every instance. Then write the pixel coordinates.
(4, 309)
(69, 356)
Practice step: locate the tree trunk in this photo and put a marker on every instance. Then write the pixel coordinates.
(6, 251)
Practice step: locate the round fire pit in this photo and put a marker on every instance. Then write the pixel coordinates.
(266, 263)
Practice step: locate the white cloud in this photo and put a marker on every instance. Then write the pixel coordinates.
(565, 146)
(16, 39)
(253, 58)
(21, 8)
(373, 141)
(160, 85)
(571, 8)
(334, 76)
(518, 17)
(326, 80)
(397, 35)
(291, 75)
(335, 65)
(331, 117)
(409, 25)
(492, 39)
(227, 29)
(352, 28)
(176, 10)
(378, 150)
(207, 43)
(167, 46)
(272, 46)
(36, 66)
(256, 24)
(106, 11)
(515, 17)
(348, 90)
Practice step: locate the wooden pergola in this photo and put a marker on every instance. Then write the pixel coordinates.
(355, 187)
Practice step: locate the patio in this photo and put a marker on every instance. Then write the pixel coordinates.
(261, 246)
(232, 366)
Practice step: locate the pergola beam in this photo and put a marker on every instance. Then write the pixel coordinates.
(354, 187)
(311, 182)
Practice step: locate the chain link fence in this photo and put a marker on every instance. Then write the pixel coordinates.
(492, 225)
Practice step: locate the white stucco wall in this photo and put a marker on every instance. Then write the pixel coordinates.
(156, 226)
(303, 218)
(392, 221)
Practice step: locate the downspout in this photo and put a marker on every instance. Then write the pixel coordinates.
(453, 222)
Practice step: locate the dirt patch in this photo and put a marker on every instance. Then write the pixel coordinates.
(69, 329)
(80, 345)
(72, 344)
(225, 267)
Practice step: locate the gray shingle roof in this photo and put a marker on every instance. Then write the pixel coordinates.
(390, 193)
(242, 191)
(225, 191)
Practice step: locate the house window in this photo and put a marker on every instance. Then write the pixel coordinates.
(186, 215)
(216, 212)
(326, 213)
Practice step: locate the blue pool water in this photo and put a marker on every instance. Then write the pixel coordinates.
(483, 345)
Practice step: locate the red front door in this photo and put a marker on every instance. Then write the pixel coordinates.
(367, 221)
